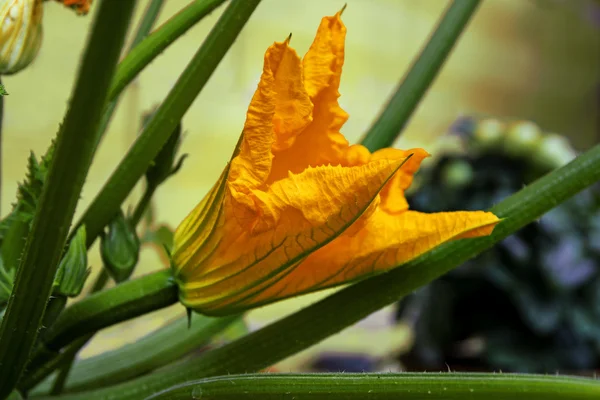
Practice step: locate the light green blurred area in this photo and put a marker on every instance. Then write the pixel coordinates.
(536, 60)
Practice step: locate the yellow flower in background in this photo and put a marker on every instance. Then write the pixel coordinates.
(298, 209)
(20, 34)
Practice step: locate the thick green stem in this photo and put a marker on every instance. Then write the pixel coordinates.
(165, 119)
(412, 89)
(405, 386)
(75, 146)
(147, 22)
(155, 43)
(47, 368)
(128, 300)
(168, 344)
(307, 327)
(142, 205)
(142, 31)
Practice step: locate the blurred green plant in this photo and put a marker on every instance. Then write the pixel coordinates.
(45, 210)
(531, 303)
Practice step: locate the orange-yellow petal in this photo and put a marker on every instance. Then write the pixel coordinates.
(280, 108)
(253, 246)
(321, 142)
(383, 242)
(298, 209)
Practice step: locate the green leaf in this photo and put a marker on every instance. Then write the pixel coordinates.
(6, 284)
(159, 128)
(386, 386)
(17, 224)
(72, 157)
(413, 87)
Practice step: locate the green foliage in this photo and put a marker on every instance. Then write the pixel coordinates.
(73, 268)
(530, 304)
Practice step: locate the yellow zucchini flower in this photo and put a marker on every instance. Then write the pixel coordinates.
(298, 209)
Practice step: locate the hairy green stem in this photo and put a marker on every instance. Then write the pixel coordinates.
(155, 43)
(128, 300)
(307, 327)
(166, 117)
(412, 89)
(75, 146)
(147, 22)
(68, 356)
(168, 344)
(405, 386)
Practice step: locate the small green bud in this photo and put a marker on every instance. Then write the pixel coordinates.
(6, 283)
(72, 271)
(120, 248)
(164, 165)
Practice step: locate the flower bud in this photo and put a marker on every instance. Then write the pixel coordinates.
(72, 271)
(20, 34)
(120, 248)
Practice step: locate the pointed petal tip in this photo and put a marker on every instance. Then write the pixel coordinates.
(339, 13)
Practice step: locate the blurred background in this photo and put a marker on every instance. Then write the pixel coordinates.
(534, 60)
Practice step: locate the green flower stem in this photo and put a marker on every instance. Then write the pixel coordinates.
(65, 359)
(344, 308)
(168, 344)
(405, 386)
(37, 375)
(142, 205)
(138, 212)
(166, 118)
(155, 43)
(73, 155)
(100, 281)
(128, 300)
(147, 22)
(422, 73)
